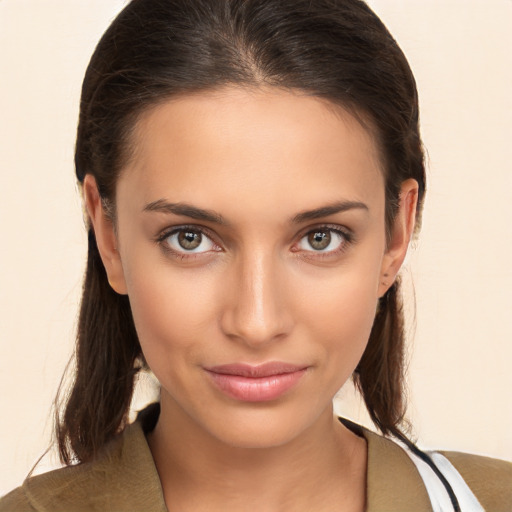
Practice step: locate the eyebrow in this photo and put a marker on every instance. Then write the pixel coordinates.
(331, 209)
(186, 210)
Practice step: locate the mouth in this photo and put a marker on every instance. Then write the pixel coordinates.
(260, 383)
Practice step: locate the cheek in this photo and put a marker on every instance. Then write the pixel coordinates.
(346, 315)
(171, 310)
(340, 315)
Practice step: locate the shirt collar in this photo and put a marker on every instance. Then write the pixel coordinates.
(392, 481)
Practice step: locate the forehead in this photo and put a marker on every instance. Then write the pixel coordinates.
(237, 143)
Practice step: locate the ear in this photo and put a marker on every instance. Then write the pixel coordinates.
(403, 228)
(106, 239)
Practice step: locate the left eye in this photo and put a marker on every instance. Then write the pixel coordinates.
(322, 240)
(189, 240)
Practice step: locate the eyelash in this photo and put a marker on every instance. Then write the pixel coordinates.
(161, 240)
(345, 234)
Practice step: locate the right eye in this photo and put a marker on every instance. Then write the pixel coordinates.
(187, 240)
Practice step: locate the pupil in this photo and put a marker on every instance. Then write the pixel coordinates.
(320, 239)
(189, 240)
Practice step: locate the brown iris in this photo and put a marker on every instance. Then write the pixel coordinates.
(189, 240)
(319, 239)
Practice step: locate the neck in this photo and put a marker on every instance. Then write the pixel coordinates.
(322, 467)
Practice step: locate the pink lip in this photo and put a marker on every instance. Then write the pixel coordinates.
(256, 383)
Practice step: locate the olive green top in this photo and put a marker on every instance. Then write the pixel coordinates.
(124, 479)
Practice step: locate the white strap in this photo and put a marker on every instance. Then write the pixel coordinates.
(467, 500)
(439, 497)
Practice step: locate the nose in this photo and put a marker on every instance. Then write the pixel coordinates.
(257, 311)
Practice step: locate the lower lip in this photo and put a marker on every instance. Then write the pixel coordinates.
(260, 389)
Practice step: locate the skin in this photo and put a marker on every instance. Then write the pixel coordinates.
(256, 291)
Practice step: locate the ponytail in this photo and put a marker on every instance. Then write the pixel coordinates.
(106, 353)
(379, 376)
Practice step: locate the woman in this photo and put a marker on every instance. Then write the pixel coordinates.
(253, 174)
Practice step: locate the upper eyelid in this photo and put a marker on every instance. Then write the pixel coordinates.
(346, 232)
(167, 232)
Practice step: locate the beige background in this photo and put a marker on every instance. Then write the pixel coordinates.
(460, 378)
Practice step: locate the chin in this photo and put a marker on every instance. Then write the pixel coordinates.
(261, 426)
(266, 433)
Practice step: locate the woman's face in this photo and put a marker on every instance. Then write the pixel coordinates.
(251, 243)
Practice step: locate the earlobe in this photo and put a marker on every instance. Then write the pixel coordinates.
(403, 228)
(104, 232)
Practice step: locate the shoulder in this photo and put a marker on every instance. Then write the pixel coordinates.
(490, 479)
(51, 490)
(70, 488)
(16, 501)
(123, 477)
(395, 484)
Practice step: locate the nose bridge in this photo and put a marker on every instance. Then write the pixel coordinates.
(257, 313)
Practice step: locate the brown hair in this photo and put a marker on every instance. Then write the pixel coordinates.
(337, 50)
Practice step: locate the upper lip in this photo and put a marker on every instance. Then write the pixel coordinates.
(261, 370)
